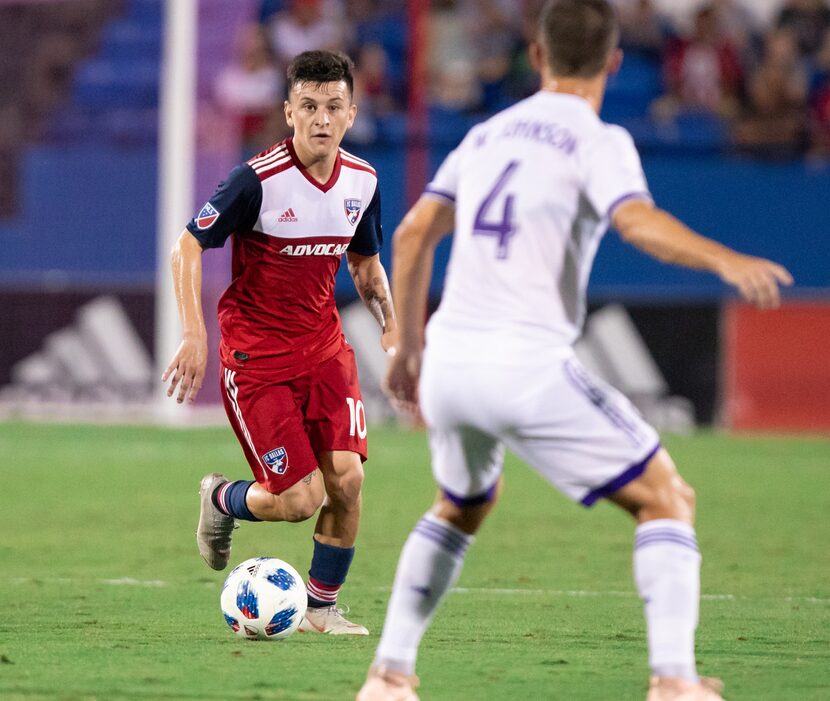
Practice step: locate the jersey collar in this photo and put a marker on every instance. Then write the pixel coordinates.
(335, 173)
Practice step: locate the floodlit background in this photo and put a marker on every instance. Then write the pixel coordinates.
(729, 102)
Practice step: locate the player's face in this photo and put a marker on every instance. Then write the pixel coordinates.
(320, 114)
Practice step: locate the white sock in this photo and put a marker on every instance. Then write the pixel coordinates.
(429, 565)
(667, 573)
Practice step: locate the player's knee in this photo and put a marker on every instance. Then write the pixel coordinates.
(466, 514)
(675, 501)
(302, 507)
(345, 487)
(688, 496)
(302, 501)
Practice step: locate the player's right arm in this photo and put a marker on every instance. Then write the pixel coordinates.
(413, 252)
(187, 368)
(662, 236)
(234, 207)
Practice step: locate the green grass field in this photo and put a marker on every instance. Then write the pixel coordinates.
(104, 596)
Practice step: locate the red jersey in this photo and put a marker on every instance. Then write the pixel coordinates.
(289, 235)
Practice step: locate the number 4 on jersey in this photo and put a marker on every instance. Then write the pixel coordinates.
(503, 229)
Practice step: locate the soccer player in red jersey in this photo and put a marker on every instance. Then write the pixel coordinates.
(289, 379)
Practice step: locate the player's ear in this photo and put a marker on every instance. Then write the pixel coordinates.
(614, 62)
(288, 113)
(352, 114)
(537, 56)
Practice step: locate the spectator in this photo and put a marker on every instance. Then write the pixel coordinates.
(453, 76)
(809, 20)
(307, 25)
(736, 24)
(250, 89)
(703, 73)
(494, 33)
(774, 118)
(376, 84)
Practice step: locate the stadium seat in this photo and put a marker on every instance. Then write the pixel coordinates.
(632, 90)
(104, 83)
(126, 40)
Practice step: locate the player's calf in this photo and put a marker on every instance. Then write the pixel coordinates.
(667, 573)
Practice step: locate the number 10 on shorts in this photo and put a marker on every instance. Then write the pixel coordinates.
(357, 417)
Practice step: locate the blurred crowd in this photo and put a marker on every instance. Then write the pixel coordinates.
(769, 84)
(40, 46)
(476, 65)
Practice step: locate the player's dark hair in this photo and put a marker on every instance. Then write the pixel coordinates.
(321, 67)
(578, 36)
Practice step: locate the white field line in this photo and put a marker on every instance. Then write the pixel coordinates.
(499, 591)
(580, 593)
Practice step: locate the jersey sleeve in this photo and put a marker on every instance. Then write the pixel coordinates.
(368, 235)
(233, 207)
(444, 186)
(614, 173)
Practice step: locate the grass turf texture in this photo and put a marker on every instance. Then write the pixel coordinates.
(105, 597)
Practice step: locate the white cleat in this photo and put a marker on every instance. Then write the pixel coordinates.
(676, 689)
(385, 685)
(329, 619)
(213, 534)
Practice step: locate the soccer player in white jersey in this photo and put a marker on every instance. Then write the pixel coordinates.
(529, 194)
(288, 377)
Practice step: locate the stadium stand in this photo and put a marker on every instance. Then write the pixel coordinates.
(78, 151)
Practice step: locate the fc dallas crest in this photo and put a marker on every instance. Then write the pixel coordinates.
(352, 208)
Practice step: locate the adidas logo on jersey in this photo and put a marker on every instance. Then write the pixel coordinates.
(287, 216)
(320, 249)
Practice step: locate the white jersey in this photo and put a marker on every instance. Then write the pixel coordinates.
(534, 188)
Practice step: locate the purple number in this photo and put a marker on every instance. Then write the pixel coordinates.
(502, 229)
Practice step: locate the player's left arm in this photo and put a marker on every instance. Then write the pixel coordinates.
(372, 285)
(663, 236)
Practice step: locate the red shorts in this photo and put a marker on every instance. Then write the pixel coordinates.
(283, 426)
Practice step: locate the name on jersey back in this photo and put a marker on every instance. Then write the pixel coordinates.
(554, 135)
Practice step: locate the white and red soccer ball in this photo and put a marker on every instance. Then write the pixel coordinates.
(264, 599)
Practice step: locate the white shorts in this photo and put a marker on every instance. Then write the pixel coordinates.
(578, 432)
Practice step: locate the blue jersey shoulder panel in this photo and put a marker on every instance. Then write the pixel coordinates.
(233, 207)
(368, 235)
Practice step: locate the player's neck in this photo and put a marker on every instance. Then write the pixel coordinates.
(590, 89)
(318, 167)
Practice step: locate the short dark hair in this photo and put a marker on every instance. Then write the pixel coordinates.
(578, 36)
(320, 67)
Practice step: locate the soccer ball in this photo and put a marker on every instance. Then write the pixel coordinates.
(263, 599)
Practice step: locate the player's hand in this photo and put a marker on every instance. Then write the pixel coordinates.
(187, 370)
(757, 279)
(401, 384)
